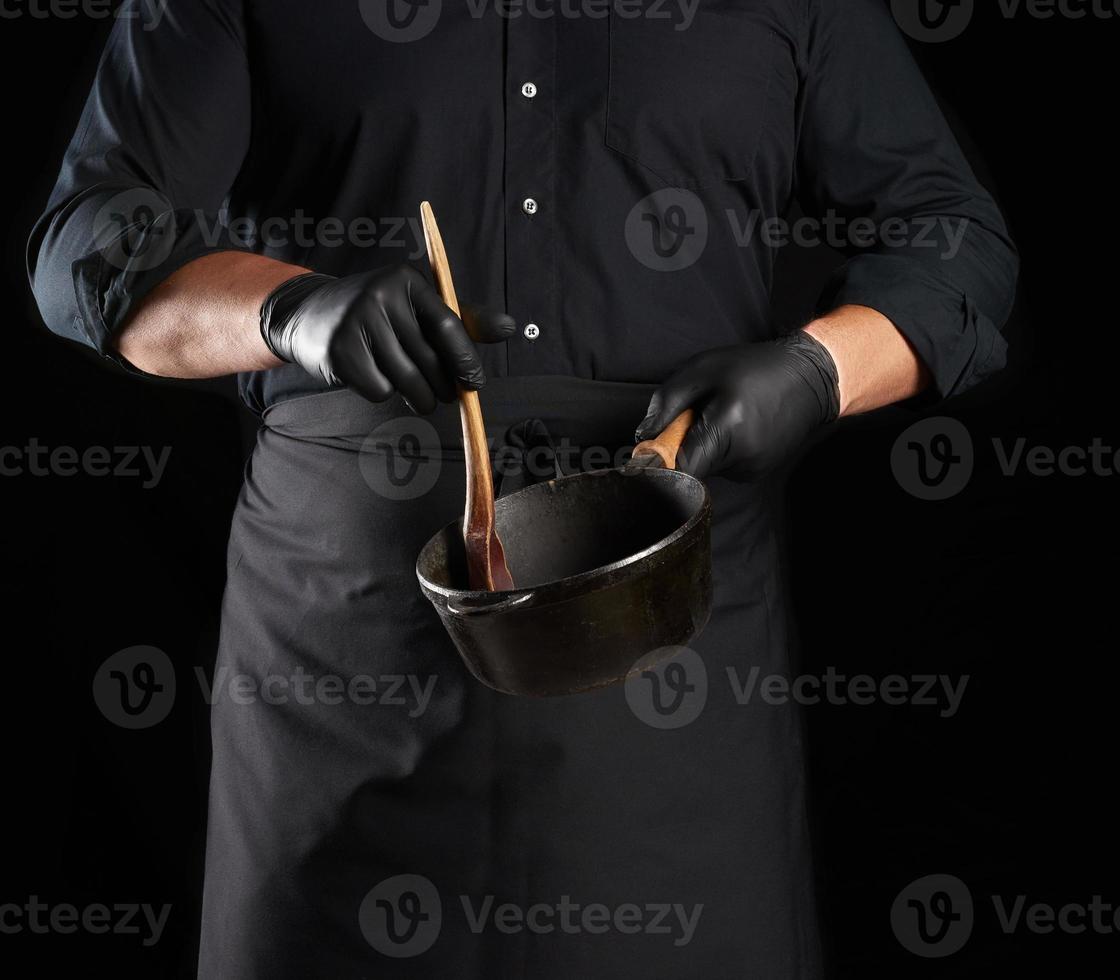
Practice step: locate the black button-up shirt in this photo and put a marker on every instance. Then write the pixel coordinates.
(608, 170)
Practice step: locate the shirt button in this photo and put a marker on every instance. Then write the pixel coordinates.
(529, 206)
(528, 90)
(531, 331)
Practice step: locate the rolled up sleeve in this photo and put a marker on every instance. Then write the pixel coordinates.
(144, 180)
(926, 245)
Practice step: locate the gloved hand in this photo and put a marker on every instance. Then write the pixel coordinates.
(755, 404)
(380, 332)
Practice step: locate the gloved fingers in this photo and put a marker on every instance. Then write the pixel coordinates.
(687, 386)
(705, 447)
(392, 333)
(445, 332)
(420, 353)
(427, 361)
(353, 365)
(488, 325)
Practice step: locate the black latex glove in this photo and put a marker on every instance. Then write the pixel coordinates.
(755, 404)
(380, 332)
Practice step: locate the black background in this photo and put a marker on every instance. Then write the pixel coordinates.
(1012, 582)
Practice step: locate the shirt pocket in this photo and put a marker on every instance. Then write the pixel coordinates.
(688, 100)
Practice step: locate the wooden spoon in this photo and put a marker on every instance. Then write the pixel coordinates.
(486, 558)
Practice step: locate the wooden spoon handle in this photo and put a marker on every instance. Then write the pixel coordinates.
(668, 443)
(486, 561)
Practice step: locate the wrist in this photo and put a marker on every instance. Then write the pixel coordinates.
(278, 309)
(876, 364)
(819, 371)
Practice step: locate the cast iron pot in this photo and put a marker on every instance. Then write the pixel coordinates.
(612, 568)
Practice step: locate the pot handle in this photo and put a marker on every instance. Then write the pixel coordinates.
(465, 606)
(667, 444)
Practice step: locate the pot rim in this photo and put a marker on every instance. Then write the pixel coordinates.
(581, 578)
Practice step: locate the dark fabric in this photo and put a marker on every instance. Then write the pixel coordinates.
(530, 801)
(288, 116)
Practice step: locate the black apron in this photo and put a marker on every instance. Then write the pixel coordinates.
(376, 812)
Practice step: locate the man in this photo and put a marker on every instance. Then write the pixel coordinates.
(593, 168)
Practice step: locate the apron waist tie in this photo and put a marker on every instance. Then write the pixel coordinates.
(556, 424)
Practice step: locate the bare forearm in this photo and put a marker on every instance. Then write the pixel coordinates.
(203, 321)
(875, 362)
